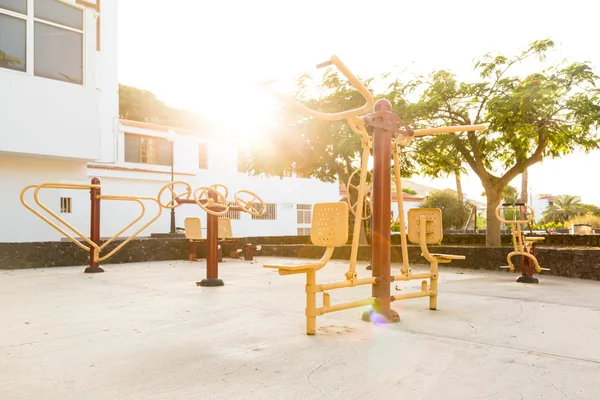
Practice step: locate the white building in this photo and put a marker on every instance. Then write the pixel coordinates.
(59, 123)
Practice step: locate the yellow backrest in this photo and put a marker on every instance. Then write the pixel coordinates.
(434, 230)
(193, 228)
(225, 231)
(329, 224)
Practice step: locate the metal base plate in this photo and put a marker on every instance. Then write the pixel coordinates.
(93, 270)
(527, 279)
(387, 317)
(210, 282)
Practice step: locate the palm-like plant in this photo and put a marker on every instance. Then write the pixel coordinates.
(564, 208)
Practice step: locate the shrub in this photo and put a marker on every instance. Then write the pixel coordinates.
(549, 225)
(591, 219)
(454, 212)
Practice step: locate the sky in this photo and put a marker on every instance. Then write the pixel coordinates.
(208, 56)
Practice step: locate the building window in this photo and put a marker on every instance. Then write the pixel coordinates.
(203, 156)
(303, 231)
(304, 213)
(57, 39)
(65, 205)
(18, 6)
(12, 37)
(58, 53)
(94, 5)
(147, 150)
(242, 161)
(270, 212)
(232, 214)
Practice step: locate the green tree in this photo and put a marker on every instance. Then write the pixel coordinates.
(564, 208)
(454, 211)
(409, 191)
(143, 105)
(544, 114)
(590, 209)
(326, 150)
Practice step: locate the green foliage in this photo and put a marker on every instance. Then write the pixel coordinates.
(395, 227)
(591, 219)
(563, 209)
(454, 212)
(545, 114)
(326, 150)
(409, 191)
(143, 105)
(549, 225)
(510, 194)
(591, 209)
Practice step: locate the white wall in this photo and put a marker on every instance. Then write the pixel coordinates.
(17, 224)
(52, 118)
(107, 81)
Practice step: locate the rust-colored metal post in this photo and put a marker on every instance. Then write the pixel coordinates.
(94, 226)
(381, 208)
(212, 243)
(192, 251)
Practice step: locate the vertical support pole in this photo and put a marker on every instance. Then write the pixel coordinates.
(381, 201)
(434, 269)
(172, 228)
(311, 302)
(192, 251)
(94, 228)
(212, 243)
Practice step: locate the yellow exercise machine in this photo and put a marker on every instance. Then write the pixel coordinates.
(383, 132)
(524, 246)
(211, 199)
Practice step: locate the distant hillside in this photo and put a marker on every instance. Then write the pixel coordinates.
(143, 106)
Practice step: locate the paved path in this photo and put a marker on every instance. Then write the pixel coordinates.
(145, 331)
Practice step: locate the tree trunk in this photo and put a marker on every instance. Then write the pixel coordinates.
(459, 187)
(492, 234)
(524, 184)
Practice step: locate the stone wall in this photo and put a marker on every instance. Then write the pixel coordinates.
(573, 263)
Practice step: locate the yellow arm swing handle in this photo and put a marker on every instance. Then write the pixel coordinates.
(332, 116)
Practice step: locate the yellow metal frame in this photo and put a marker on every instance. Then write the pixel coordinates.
(356, 122)
(97, 248)
(521, 243)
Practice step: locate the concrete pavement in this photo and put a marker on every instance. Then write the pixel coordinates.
(145, 331)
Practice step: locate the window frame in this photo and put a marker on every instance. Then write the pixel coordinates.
(154, 146)
(30, 21)
(65, 205)
(302, 212)
(267, 216)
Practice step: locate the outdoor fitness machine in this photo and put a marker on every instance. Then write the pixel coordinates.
(385, 133)
(211, 199)
(523, 246)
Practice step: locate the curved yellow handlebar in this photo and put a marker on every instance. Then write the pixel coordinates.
(332, 116)
(506, 221)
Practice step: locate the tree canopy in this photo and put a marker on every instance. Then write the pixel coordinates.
(564, 208)
(327, 150)
(548, 113)
(545, 114)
